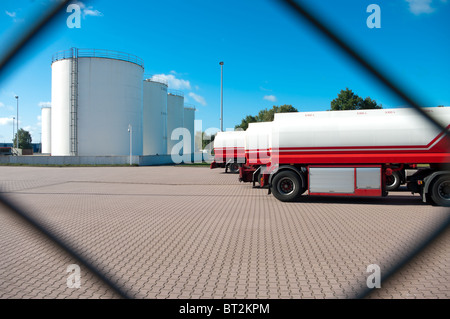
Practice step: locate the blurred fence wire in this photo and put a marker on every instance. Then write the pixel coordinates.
(303, 12)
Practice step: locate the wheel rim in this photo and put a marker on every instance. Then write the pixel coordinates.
(286, 186)
(234, 167)
(444, 190)
(390, 180)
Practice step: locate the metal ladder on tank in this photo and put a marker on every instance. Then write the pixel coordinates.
(74, 103)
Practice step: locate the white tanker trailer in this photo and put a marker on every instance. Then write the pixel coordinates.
(350, 153)
(229, 150)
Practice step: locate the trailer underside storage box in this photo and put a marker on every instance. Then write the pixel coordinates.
(345, 180)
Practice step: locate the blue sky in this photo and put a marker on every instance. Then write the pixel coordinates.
(271, 57)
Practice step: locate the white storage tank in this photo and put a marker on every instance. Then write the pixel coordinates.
(189, 120)
(61, 89)
(154, 117)
(175, 115)
(46, 125)
(96, 95)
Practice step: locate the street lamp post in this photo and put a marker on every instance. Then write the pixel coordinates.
(17, 135)
(130, 130)
(221, 96)
(14, 128)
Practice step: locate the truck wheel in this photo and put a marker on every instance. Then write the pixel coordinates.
(393, 181)
(440, 191)
(287, 186)
(234, 168)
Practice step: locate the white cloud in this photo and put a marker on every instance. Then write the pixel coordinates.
(89, 11)
(45, 104)
(2, 105)
(11, 14)
(198, 98)
(271, 98)
(6, 121)
(420, 6)
(173, 82)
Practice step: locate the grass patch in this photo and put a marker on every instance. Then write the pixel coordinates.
(203, 164)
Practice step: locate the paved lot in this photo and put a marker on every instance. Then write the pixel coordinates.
(192, 232)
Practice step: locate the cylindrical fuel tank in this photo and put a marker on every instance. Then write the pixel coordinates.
(96, 96)
(364, 136)
(229, 145)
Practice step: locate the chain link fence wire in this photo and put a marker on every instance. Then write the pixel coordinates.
(6, 62)
(303, 12)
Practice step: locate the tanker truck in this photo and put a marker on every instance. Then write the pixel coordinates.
(349, 153)
(229, 151)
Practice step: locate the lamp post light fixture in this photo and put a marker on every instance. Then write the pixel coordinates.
(221, 96)
(17, 135)
(130, 130)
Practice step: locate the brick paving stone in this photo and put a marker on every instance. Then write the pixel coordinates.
(192, 232)
(424, 276)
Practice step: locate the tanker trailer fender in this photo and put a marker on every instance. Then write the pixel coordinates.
(255, 176)
(302, 173)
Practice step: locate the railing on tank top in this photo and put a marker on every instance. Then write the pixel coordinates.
(156, 78)
(99, 53)
(175, 92)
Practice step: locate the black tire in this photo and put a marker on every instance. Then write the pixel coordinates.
(440, 191)
(233, 168)
(393, 181)
(287, 186)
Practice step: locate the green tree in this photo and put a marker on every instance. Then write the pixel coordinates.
(24, 139)
(266, 115)
(368, 103)
(245, 121)
(348, 100)
(207, 139)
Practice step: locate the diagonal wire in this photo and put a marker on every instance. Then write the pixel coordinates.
(4, 63)
(20, 45)
(299, 8)
(11, 207)
(418, 249)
